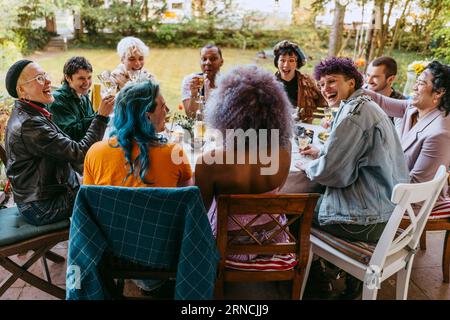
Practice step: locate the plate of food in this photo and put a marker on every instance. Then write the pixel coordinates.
(323, 136)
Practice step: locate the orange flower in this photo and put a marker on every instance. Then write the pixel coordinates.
(361, 62)
(180, 107)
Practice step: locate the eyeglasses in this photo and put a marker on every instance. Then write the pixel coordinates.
(40, 78)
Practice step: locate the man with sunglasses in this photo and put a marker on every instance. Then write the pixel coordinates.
(72, 110)
(41, 157)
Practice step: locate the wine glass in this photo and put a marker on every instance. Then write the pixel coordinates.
(200, 97)
(303, 141)
(109, 86)
(328, 114)
(134, 75)
(199, 131)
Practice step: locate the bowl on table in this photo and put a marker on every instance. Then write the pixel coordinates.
(323, 136)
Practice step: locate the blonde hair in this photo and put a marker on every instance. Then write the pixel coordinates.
(128, 45)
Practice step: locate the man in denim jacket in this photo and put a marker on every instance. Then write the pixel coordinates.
(361, 161)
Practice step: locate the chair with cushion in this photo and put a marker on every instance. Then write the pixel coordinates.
(272, 261)
(394, 253)
(440, 220)
(17, 237)
(140, 233)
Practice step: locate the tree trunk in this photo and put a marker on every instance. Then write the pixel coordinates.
(337, 30)
(372, 39)
(77, 24)
(385, 28)
(50, 23)
(144, 10)
(376, 40)
(198, 8)
(429, 28)
(344, 44)
(397, 25)
(296, 12)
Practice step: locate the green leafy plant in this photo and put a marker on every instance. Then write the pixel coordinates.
(184, 121)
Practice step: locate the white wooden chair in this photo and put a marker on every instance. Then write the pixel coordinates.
(394, 252)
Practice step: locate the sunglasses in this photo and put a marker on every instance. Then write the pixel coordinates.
(40, 78)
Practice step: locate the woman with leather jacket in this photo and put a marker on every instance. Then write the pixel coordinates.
(40, 156)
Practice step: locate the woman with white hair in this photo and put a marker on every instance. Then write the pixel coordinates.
(132, 52)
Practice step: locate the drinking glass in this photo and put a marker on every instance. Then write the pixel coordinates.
(328, 114)
(108, 89)
(303, 141)
(134, 75)
(199, 129)
(201, 80)
(109, 86)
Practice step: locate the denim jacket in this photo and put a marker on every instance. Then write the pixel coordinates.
(360, 164)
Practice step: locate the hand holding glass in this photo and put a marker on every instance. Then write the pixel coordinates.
(303, 142)
(328, 114)
(201, 82)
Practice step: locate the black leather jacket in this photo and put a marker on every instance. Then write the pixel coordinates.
(41, 156)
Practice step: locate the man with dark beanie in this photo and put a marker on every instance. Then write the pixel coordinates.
(41, 156)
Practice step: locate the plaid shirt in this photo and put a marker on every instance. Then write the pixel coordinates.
(156, 227)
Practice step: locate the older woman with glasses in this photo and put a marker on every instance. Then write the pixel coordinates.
(41, 157)
(301, 88)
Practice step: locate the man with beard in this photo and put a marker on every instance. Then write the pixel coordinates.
(380, 76)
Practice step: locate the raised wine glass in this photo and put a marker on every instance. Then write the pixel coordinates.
(200, 98)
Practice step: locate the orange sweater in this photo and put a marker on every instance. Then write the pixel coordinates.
(106, 165)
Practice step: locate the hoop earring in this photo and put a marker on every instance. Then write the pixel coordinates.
(26, 99)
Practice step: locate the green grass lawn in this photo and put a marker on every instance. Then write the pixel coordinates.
(171, 65)
(168, 65)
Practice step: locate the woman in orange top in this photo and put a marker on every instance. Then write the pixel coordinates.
(136, 155)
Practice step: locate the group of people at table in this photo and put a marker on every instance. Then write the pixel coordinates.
(54, 140)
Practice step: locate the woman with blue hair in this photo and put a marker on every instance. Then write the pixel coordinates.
(136, 155)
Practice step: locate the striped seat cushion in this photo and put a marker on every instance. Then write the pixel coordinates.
(357, 250)
(441, 210)
(277, 262)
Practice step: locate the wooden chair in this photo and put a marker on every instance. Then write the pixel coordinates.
(394, 253)
(439, 225)
(298, 208)
(17, 236)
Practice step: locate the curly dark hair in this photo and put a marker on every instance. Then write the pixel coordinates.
(249, 97)
(441, 81)
(73, 65)
(290, 48)
(335, 65)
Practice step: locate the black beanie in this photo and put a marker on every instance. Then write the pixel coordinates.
(13, 75)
